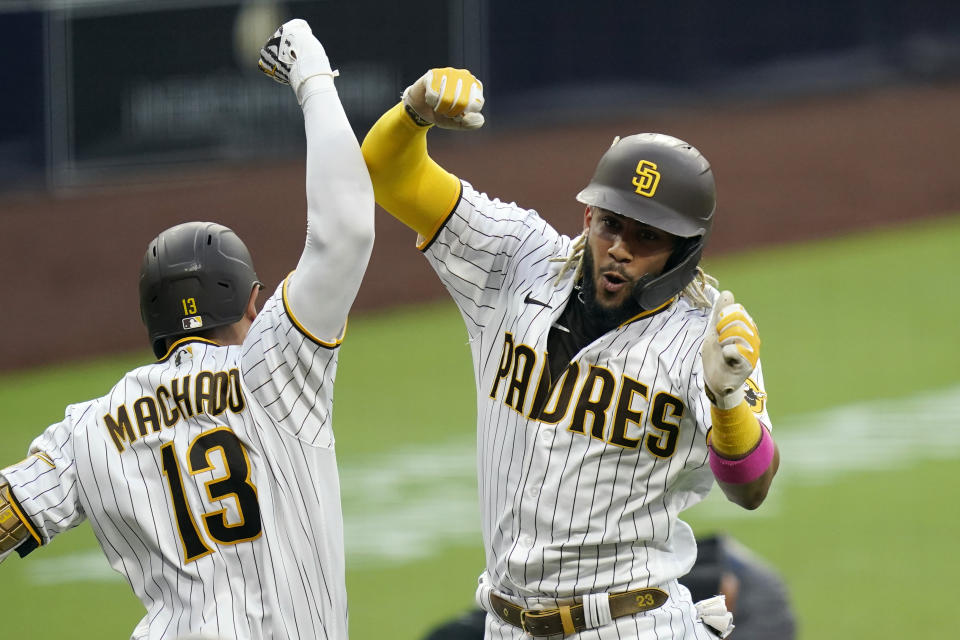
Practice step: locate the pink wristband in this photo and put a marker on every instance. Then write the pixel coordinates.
(746, 469)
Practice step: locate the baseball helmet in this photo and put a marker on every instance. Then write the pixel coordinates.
(666, 183)
(194, 277)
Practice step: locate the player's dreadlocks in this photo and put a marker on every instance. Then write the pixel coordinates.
(572, 261)
(695, 292)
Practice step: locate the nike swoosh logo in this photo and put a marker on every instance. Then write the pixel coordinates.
(529, 300)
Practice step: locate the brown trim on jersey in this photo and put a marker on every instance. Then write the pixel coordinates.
(302, 329)
(647, 314)
(181, 341)
(424, 245)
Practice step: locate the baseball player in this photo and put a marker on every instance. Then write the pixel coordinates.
(209, 476)
(614, 383)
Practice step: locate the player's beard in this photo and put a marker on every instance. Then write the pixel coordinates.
(606, 317)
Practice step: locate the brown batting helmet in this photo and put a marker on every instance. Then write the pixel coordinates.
(666, 183)
(195, 276)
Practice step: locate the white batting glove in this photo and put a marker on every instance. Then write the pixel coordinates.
(730, 351)
(293, 55)
(449, 98)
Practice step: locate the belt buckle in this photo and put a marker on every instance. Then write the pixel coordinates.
(523, 622)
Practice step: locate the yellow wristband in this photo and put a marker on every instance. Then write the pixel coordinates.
(735, 431)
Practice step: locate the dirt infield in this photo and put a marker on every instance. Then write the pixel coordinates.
(785, 172)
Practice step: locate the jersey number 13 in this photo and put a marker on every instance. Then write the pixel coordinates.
(235, 484)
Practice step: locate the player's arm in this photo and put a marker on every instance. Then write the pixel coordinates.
(40, 495)
(743, 456)
(407, 182)
(340, 206)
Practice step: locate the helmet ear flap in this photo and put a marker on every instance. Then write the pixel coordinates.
(680, 270)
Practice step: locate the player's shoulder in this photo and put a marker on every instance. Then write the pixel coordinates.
(186, 359)
(79, 412)
(190, 362)
(277, 344)
(120, 391)
(697, 308)
(272, 328)
(474, 201)
(81, 416)
(688, 311)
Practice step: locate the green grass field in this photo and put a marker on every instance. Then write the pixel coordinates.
(861, 341)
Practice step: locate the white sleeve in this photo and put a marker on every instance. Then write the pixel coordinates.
(45, 484)
(340, 210)
(289, 374)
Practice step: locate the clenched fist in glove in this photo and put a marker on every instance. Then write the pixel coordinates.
(449, 98)
(293, 55)
(730, 352)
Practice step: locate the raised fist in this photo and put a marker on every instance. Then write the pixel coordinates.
(293, 54)
(449, 98)
(730, 351)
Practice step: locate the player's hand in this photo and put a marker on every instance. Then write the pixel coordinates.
(449, 98)
(293, 55)
(730, 351)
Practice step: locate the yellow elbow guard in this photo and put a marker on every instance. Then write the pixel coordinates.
(13, 530)
(735, 431)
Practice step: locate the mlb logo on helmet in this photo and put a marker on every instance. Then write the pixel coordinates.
(193, 322)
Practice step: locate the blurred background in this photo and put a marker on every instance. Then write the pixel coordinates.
(832, 128)
(123, 117)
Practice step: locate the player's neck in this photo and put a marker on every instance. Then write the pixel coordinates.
(225, 336)
(233, 334)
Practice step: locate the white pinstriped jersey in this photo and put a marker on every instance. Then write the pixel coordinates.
(584, 496)
(176, 464)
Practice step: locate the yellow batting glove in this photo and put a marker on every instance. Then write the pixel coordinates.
(730, 351)
(737, 330)
(449, 98)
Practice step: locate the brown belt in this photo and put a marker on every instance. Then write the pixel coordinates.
(570, 619)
